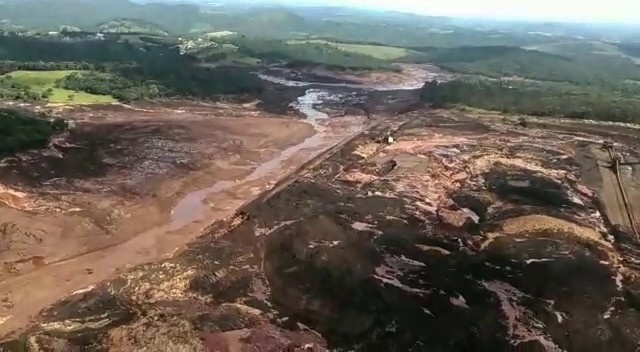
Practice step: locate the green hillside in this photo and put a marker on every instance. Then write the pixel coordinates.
(44, 84)
(504, 61)
(132, 26)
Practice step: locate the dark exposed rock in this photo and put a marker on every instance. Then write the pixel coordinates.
(526, 186)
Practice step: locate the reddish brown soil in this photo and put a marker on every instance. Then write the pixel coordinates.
(102, 197)
(466, 233)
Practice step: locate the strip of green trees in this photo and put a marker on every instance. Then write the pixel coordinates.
(21, 130)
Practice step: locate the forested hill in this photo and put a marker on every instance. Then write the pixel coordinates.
(506, 61)
(264, 22)
(132, 50)
(88, 14)
(175, 18)
(132, 26)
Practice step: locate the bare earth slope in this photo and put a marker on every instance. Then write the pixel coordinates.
(467, 233)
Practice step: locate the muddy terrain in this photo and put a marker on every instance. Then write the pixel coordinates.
(432, 230)
(129, 184)
(119, 171)
(347, 93)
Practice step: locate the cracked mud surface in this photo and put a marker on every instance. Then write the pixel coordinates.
(467, 233)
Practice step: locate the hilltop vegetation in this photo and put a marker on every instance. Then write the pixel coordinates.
(539, 99)
(585, 80)
(501, 61)
(35, 49)
(132, 26)
(302, 53)
(392, 29)
(145, 66)
(377, 51)
(88, 14)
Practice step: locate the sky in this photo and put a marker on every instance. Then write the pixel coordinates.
(627, 11)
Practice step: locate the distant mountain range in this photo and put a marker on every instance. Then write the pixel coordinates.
(279, 19)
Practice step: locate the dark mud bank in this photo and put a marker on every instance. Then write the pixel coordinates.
(277, 98)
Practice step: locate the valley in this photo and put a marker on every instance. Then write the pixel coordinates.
(136, 183)
(157, 191)
(209, 177)
(336, 254)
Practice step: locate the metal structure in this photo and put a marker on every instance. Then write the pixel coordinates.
(615, 161)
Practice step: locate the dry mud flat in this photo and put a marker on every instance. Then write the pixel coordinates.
(131, 184)
(465, 234)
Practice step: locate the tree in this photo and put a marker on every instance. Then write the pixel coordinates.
(22, 130)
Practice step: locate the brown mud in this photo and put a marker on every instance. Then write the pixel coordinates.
(466, 233)
(368, 92)
(100, 198)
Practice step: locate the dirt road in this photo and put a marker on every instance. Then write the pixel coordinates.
(619, 192)
(610, 192)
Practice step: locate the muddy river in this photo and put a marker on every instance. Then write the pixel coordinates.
(190, 215)
(192, 206)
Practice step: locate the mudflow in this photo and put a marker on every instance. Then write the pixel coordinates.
(428, 230)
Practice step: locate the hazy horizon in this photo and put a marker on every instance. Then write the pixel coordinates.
(617, 11)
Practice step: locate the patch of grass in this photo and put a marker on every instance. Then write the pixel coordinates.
(41, 81)
(376, 51)
(65, 96)
(37, 79)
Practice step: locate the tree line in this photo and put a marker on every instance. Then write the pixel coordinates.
(507, 61)
(302, 54)
(20, 130)
(10, 90)
(105, 83)
(124, 70)
(509, 97)
(10, 66)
